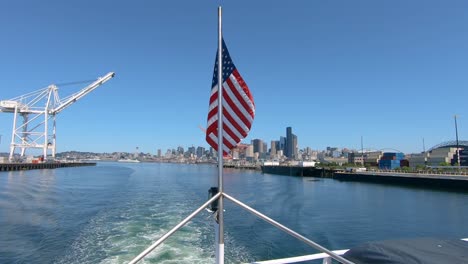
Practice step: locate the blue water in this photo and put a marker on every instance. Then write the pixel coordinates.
(110, 213)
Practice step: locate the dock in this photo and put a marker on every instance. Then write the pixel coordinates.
(243, 166)
(442, 180)
(40, 166)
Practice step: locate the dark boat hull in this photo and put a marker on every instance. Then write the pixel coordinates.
(292, 171)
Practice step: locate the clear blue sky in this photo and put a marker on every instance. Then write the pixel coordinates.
(393, 72)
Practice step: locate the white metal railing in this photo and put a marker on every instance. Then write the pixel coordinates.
(288, 231)
(324, 256)
(173, 230)
(327, 255)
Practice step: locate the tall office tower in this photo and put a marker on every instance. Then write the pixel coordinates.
(282, 144)
(288, 150)
(180, 150)
(200, 152)
(249, 151)
(273, 149)
(191, 150)
(159, 153)
(294, 147)
(257, 145)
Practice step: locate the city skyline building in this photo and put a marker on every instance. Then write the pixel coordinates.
(273, 147)
(200, 152)
(291, 144)
(257, 145)
(282, 144)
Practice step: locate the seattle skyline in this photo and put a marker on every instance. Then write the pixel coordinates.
(391, 72)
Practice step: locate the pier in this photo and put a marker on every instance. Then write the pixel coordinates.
(443, 180)
(242, 166)
(39, 166)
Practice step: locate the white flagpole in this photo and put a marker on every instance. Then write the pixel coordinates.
(220, 230)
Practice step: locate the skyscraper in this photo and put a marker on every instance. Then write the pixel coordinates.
(274, 146)
(200, 152)
(290, 150)
(257, 145)
(282, 144)
(294, 147)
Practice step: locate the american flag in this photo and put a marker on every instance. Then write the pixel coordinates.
(238, 106)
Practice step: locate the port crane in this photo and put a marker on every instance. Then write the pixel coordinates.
(37, 109)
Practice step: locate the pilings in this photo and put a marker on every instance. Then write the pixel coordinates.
(39, 166)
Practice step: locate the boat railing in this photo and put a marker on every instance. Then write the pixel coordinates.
(319, 256)
(326, 255)
(326, 259)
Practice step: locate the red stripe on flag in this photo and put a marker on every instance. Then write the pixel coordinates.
(244, 86)
(212, 113)
(236, 110)
(213, 97)
(230, 133)
(234, 123)
(239, 97)
(228, 144)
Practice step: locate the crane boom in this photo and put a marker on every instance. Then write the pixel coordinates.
(70, 100)
(36, 108)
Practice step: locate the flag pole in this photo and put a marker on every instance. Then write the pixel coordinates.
(220, 229)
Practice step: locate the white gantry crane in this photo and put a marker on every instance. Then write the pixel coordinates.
(37, 108)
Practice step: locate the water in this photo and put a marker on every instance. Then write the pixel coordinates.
(110, 213)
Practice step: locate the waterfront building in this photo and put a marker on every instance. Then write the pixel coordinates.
(463, 157)
(356, 158)
(159, 153)
(340, 160)
(443, 153)
(336, 153)
(372, 158)
(391, 160)
(434, 157)
(418, 159)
